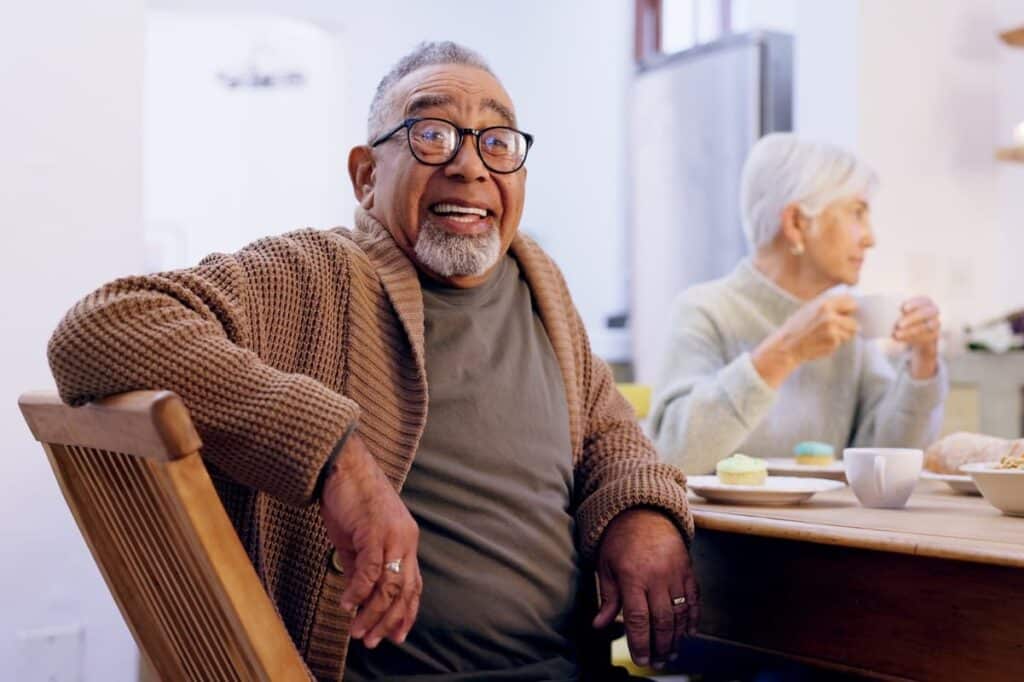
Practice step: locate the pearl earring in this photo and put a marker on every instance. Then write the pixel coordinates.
(797, 249)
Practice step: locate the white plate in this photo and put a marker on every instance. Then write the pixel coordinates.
(776, 491)
(787, 466)
(959, 483)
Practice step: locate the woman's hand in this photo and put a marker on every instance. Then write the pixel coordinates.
(815, 330)
(919, 327)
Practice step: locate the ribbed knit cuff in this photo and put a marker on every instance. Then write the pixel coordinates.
(332, 459)
(661, 486)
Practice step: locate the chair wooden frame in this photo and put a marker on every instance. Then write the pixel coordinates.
(130, 469)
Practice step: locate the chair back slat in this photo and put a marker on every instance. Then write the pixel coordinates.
(163, 542)
(153, 424)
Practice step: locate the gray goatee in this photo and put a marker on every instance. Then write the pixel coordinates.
(457, 255)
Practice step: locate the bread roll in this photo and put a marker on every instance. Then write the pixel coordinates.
(948, 454)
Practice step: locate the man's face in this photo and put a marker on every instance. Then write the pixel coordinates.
(453, 221)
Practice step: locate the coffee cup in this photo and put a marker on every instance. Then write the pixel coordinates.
(877, 315)
(883, 478)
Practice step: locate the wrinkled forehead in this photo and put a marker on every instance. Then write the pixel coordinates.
(458, 87)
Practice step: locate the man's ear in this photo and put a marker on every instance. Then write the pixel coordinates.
(362, 171)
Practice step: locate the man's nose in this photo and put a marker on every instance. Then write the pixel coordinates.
(467, 164)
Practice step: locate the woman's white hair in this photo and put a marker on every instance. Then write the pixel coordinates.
(782, 169)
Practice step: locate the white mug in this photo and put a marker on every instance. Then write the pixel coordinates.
(883, 477)
(877, 315)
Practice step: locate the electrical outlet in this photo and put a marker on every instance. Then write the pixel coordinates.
(50, 654)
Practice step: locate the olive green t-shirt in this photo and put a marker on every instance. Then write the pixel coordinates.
(491, 488)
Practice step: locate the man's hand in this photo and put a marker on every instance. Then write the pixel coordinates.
(644, 567)
(371, 528)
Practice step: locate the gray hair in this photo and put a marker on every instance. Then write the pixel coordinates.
(782, 169)
(425, 54)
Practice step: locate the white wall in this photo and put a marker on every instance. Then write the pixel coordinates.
(930, 88)
(227, 161)
(1010, 176)
(825, 71)
(565, 63)
(924, 91)
(70, 209)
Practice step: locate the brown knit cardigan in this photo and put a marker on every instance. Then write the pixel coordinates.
(278, 348)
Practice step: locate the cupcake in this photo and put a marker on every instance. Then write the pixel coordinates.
(813, 453)
(742, 470)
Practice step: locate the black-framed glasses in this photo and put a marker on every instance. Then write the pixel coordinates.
(435, 142)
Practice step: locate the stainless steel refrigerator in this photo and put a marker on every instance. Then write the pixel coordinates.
(694, 117)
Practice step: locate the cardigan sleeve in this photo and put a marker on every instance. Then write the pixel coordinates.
(218, 335)
(619, 468)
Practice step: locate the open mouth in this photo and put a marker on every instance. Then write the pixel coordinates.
(461, 214)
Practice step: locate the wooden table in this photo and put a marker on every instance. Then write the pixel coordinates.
(931, 592)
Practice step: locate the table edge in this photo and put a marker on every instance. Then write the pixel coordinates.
(984, 552)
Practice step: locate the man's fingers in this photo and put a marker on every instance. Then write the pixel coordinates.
(679, 598)
(637, 617)
(692, 603)
(663, 625)
(368, 566)
(610, 601)
(382, 599)
(395, 617)
(412, 609)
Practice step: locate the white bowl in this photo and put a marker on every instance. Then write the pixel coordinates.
(1002, 488)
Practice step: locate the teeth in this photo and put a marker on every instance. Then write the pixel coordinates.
(452, 208)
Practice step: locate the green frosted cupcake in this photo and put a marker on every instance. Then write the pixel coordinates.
(741, 470)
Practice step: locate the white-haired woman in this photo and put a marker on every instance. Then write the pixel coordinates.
(768, 356)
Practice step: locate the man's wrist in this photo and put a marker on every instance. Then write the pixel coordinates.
(332, 461)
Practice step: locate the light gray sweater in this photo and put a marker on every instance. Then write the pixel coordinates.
(710, 401)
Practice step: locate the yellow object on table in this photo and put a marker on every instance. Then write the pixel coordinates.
(621, 657)
(639, 396)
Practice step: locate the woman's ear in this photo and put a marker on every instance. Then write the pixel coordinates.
(794, 228)
(362, 171)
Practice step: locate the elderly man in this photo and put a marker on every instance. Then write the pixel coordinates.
(445, 532)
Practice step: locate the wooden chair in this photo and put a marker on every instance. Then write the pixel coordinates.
(130, 470)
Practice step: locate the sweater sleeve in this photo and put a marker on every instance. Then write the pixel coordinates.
(705, 404)
(217, 335)
(619, 469)
(893, 408)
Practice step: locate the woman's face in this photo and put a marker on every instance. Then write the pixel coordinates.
(838, 239)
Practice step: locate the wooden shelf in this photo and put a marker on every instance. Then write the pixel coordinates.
(1010, 154)
(1014, 37)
